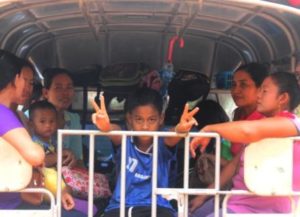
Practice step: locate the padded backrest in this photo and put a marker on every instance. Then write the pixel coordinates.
(269, 166)
(15, 171)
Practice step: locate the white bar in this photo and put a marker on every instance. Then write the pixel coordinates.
(123, 176)
(91, 175)
(154, 175)
(217, 174)
(134, 133)
(59, 172)
(186, 173)
(51, 212)
(185, 191)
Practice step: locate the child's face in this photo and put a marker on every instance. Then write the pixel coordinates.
(145, 118)
(44, 123)
(270, 102)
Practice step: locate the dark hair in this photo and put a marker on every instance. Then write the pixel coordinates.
(10, 66)
(41, 105)
(37, 92)
(287, 83)
(210, 112)
(50, 73)
(144, 96)
(257, 71)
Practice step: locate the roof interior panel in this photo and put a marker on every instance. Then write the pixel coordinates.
(69, 32)
(136, 6)
(222, 22)
(225, 13)
(216, 25)
(254, 40)
(55, 9)
(140, 49)
(137, 18)
(274, 33)
(136, 27)
(21, 35)
(194, 55)
(12, 20)
(66, 22)
(89, 49)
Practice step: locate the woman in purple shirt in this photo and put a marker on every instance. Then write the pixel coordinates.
(16, 80)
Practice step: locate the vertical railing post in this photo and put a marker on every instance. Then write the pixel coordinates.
(91, 174)
(59, 172)
(186, 172)
(154, 175)
(217, 174)
(123, 176)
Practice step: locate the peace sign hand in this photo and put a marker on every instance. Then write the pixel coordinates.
(187, 120)
(100, 117)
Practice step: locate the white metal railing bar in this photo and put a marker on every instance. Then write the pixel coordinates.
(28, 212)
(180, 194)
(183, 193)
(154, 175)
(91, 175)
(59, 172)
(186, 167)
(123, 177)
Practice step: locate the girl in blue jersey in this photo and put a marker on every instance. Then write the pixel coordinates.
(144, 112)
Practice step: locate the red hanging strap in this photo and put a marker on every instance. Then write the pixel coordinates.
(171, 46)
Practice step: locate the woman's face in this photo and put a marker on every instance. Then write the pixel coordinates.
(244, 91)
(61, 92)
(24, 85)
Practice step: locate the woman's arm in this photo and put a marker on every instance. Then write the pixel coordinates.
(251, 131)
(247, 131)
(22, 142)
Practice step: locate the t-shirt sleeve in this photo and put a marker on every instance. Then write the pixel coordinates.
(9, 121)
(296, 121)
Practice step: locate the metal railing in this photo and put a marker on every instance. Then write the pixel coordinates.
(181, 194)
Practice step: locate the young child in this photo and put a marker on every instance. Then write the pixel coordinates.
(43, 123)
(143, 111)
(278, 97)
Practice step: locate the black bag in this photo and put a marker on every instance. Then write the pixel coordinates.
(185, 86)
(122, 78)
(87, 76)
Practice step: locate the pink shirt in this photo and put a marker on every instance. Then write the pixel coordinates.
(237, 147)
(256, 204)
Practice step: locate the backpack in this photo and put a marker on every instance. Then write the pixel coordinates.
(185, 86)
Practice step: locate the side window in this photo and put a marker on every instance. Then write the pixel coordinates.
(225, 99)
